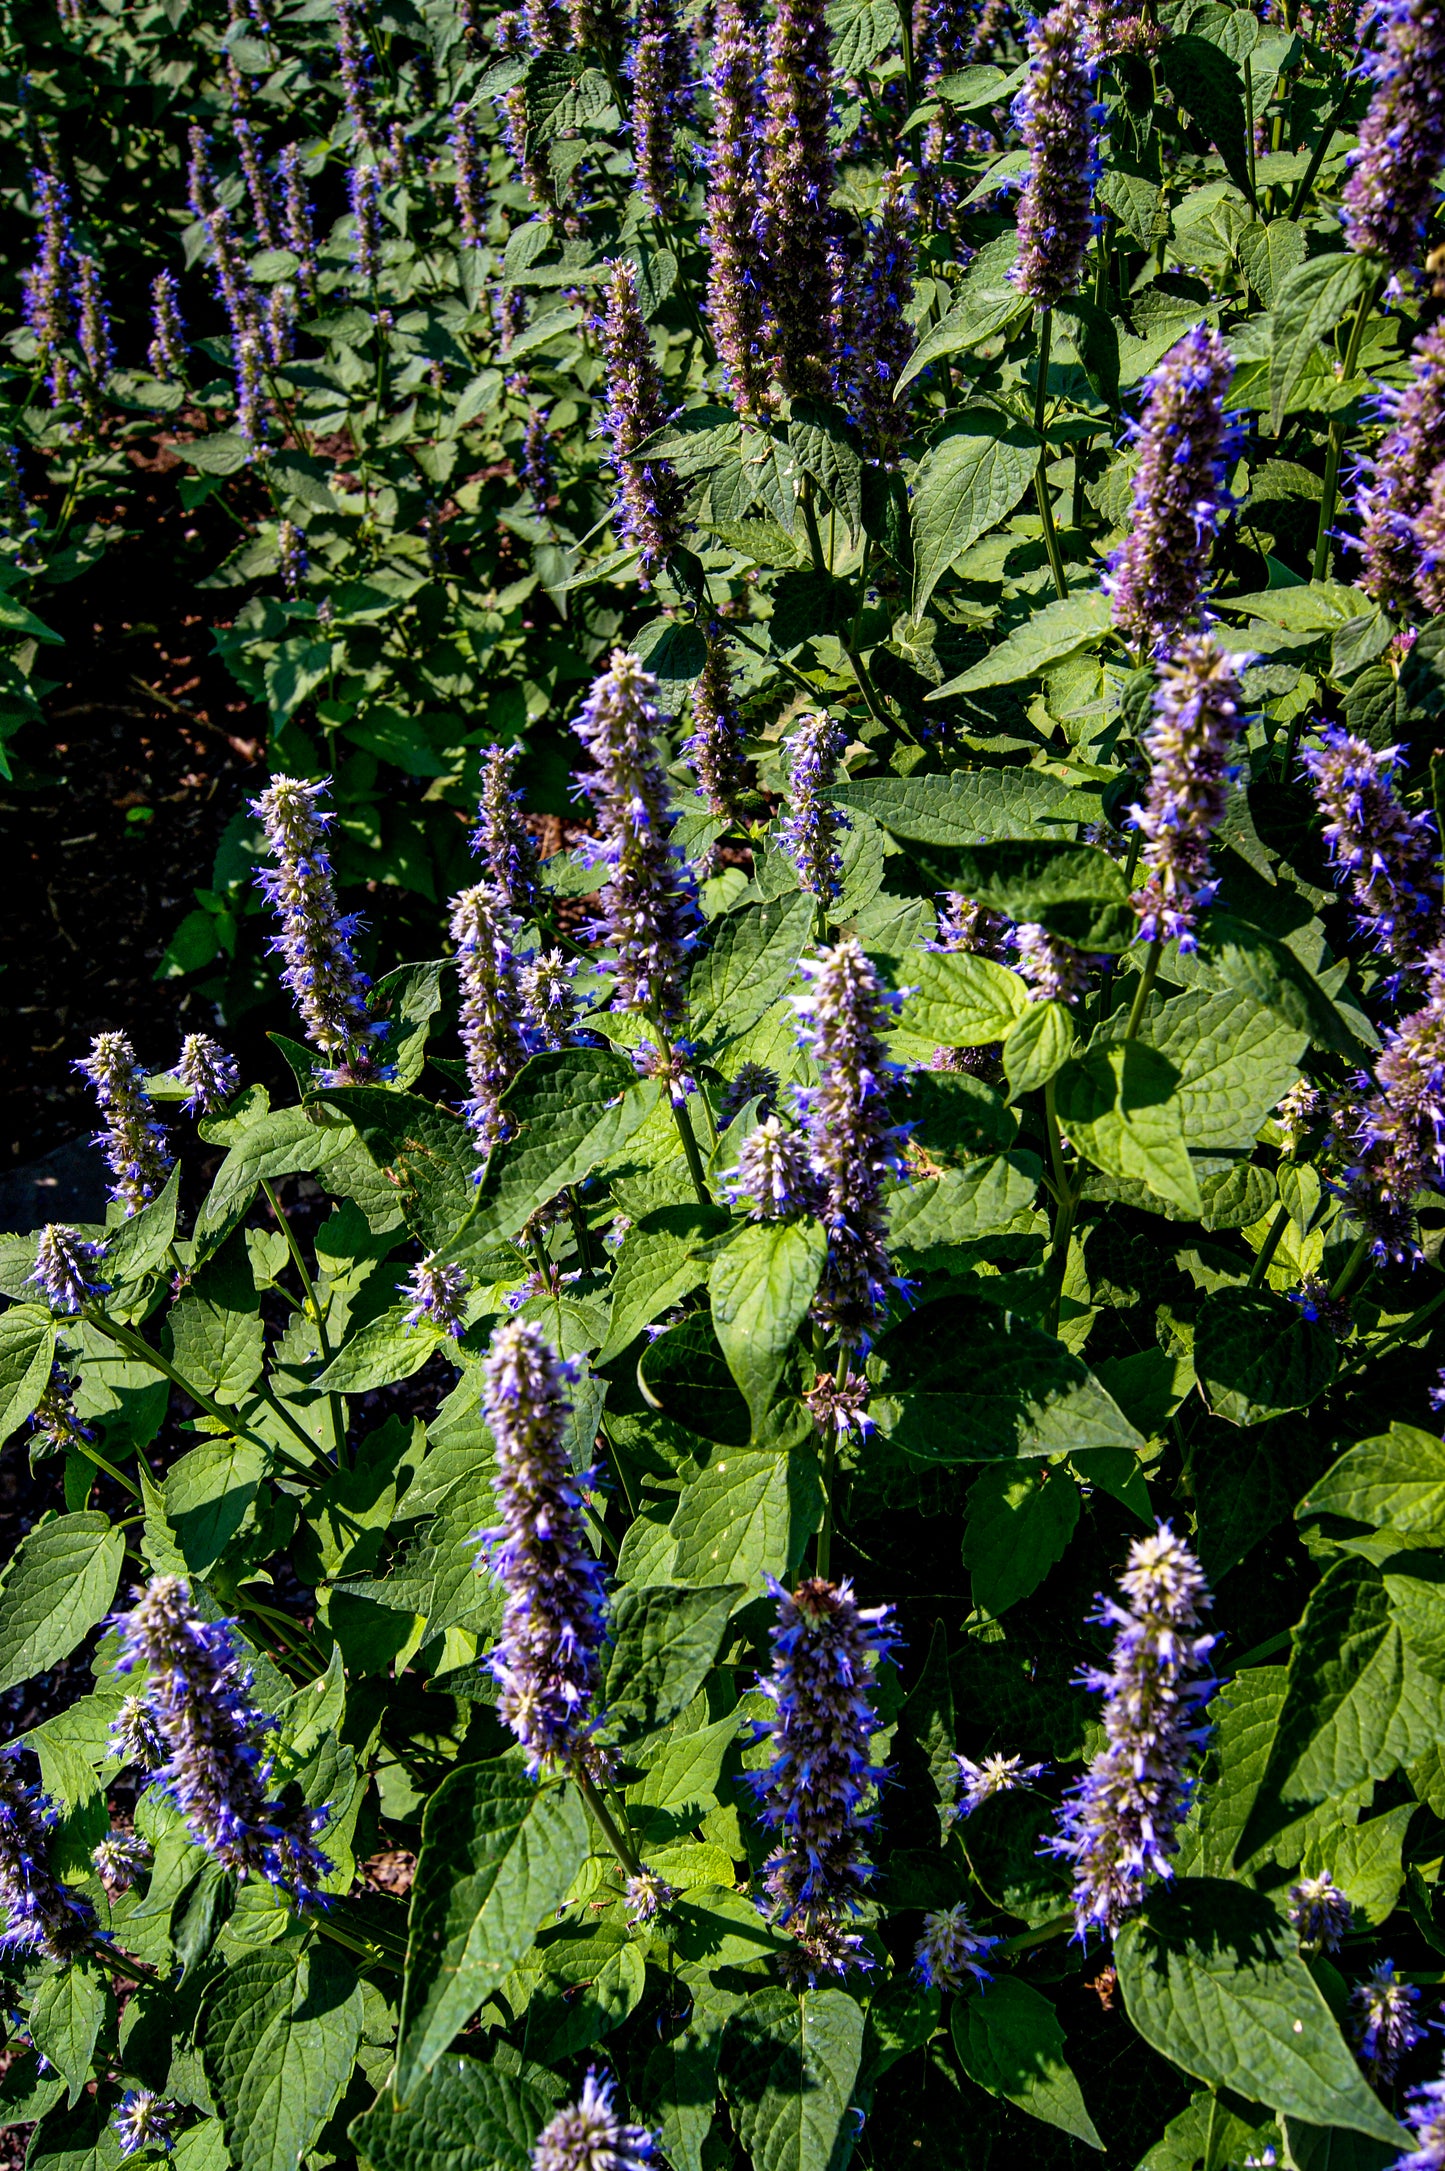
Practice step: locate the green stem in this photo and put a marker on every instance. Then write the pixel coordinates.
(121, 1963)
(135, 1346)
(1249, 136)
(1041, 478)
(1063, 1221)
(1317, 159)
(1405, 1332)
(620, 1847)
(866, 686)
(680, 1116)
(1059, 1926)
(1337, 431)
(1146, 983)
(1349, 1271)
(109, 1468)
(601, 1531)
(372, 1954)
(824, 1559)
(334, 1406)
(1269, 1247)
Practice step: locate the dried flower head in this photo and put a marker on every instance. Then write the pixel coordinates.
(793, 222)
(749, 1082)
(734, 294)
(840, 1406)
(658, 75)
(167, 350)
(715, 745)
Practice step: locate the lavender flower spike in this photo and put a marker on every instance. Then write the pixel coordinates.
(649, 916)
(1392, 188)
(715, 746)
(882, 338)
(734, 297)
(501, 839)
(63, 1260)
(657, 79)
(649, 497)
(774, 1173)
(1320, 1913)
(547, 1654)
(47, 286)
(491, 1010)
(364, 184)
(793, 214)
(951, 1952)
(38, 1914)
(1053, 969)
(439, 1296)
(815, 1792)
(549, 1002)
(1196, 722)
(209, 1075)
(144, 2120)
(1156, 577)
(1056, 117)
(1425, 2116)
(1382, 2022)
(296, 221)
(1397, 476)
(809, 834)
(133, 1143)
(327, 984)
(853, 1146)
(1387, 859)
(216, 1773)
(1400, 1127)
(92, 322)
(589, 2136)
(1120, 1824)
(167, 350)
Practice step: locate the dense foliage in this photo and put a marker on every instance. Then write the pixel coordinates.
(783, 1506)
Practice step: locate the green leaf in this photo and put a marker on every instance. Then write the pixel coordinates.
(498, 1854)
(285, 1142)
(1394, 1481)
(1018, 1524)
(208, 1496)
(141, 1244)
(790, 2067)
(428, 1152)
(1335, 2148)
(1009, 2041)
(971, 477)
(1207, 84)
(1020, 1393)
(1313, 302)
(593, 1981)
(988, 298)
(685, 1375)
(681, 2076)
(387, 1349)
(745, 1517)
(65, 2020)
(1045, 637)
(958, 1000)
(1268, 971)
(571, 1111)
(462, 2116)
(1075, 890)
(225, 453)
(76, 2139)
(752, 957)
(27, 1352)
(664, 1642)
(1117, 1104)
(1212, 1978)
(861, 32)
(818, 435)
(1235, 1060)
(279, 2030)
(968, 806)
(409, 998)
(61, 1581)
(1037, 1048)
(760, 1288)
(963, 1203)
(1257, 1355)
(658, 1263)
(215, 1346)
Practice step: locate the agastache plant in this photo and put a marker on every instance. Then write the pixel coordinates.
(47, 288)
(1399, 1127)
(657, 81)
(1387, 859)
(715, 745)
(500, 839)
(1396, 477)
(649, 497)
(167, 350)
(814, 824)
(648, 919)
(1120, 1824)
(882, 338)
(492, 1033)
(296, 221)
(734, 295)
(1055, 114)
(217, 1771)
(590, 2135)
(1184, 439)
(951, 1953)
(209, 1075)
(1382, 2022)
(1320, 1913)
(793, 224)
(315, 938)
(133, 1142)
(547, 1657)
(1393, 184)
(1425, 2117)
(1196, 723)
(39, 1916)
(816, 1790)
(438, 1293)
(64, 1268)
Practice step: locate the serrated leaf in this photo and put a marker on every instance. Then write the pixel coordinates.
(658, 1263)
(959, 1000)
(428, 1153)
(970, 479)
(462, 2116)
(664, 1642)
(1235, 1059)
(1037, 1048)
(1212, 1978)
(219, 1348)
(681, 2076)
(1257, 1355)
(744, 1517)
(140, 1245)
(579, 2002)
(963, 1203)
(1207, 84)
(1048, 635)
(65, 2019)
(1009, 2041)
(208, 1494)
(498, 1853)
(389, 1348)
(80, 2138)
(284, 1142)
(1313, 302)
(819, 441)
(570, 1111)
(1018, 1524)
(60, 1583)
(967, 806)
(791, 2063)
(759, 1289)
(1394, 1481)
(1118, 1106)
(27, 1352)
(279, 2030)
(1075, 890)
(751, 960)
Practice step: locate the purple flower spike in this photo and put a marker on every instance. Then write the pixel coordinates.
(326, 983)
(1387, 860)
(47, 288)
(774, 1173)
(809, 834)
(1120, 1825)
(715, 747)
(797, 182)
(979, 1783)
(167, 351)
(144, 2120)
(1392, 188)
(1430, 540)
(1057, 119)
(881, 337)
(1156, 578)
(589, 2136)
(549, 1001)
(1399, 1133)
(1196, 723)
(38, 1914)
(491, 1010)
(438, 1297)
(734, 296)
(853, 1147)
(1382, 2022)
(63, 1262)
(209, 1075)
(649, 496)
(353, 66)
(1320, 1913)
(951, 1953)
(547, 1656)
(92, 322)
(133, 1143)
(649, 916)
(501, 839)
(249, 153)
(216, 1772)
(816, 1793)
(1425, 2116)
(657, 89)
(1053, 969)
(364, 186)
(1396, 479)
(296, 221)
